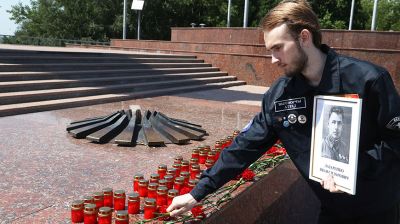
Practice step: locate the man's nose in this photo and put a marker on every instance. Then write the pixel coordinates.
(274, 59)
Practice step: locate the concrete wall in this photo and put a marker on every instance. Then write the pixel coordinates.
(241, 52)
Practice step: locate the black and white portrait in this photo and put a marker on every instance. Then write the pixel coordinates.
(336, 133)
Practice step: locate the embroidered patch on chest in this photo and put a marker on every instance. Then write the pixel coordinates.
(290, 104)
(394, 124)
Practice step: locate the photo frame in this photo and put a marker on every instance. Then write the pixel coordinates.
(334, 142)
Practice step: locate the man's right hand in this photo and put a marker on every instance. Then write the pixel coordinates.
(181, 204)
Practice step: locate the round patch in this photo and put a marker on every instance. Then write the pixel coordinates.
(302, 119)
(292, 118)
(286, 124)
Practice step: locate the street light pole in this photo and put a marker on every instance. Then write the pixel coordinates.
(124, 22)
(374, 15)
(246, 12)
(351, 14)
(228, 23)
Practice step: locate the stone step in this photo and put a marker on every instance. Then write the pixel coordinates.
(23, 60)
(21, 76)
(53, 94)
(13, 86)
(32, 53)
(30, 107)
(93, 66)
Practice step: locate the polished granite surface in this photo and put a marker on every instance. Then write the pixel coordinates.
(43, 169)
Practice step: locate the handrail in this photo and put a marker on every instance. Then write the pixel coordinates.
(43, 41)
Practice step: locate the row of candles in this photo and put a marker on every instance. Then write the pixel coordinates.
(158, 191)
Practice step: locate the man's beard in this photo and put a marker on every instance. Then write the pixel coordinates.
(299, 63)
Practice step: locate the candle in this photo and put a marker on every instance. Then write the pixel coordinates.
(149, 208)
(162, 170)
(184, 166)
(108, 197)
(186, 176)
(209, 163)
(194, 171)
(211, 155)
(77, 211)
(170, 181)
(89, 214)
(88, 200)
(152, 190)
(217, 153)
(178, 159)
(121, 217)
(195, 153)
(172, 172)
(136, 180)
(162, 196)
(143, 188)
(162, 183)
(104, 215)
(98, 199)
(171, 194)
(178, 183)
(192, 183)
(203, 156)
(177, 169)
(207, 148)
(133, 203)
(119, 200)
(154, 178)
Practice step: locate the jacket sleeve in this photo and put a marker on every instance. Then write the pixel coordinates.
(388, 113)
(247, 147)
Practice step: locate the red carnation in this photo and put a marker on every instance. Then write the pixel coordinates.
(248, 175)
(197, 211)
(184, 190)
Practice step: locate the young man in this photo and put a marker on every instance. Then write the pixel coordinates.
(292, 34)
(333, 147)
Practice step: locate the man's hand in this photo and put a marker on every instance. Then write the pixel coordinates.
(181, 204)
(329, 184)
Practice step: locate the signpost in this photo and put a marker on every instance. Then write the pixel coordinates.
(138, 5)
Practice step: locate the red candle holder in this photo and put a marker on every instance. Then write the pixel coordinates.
(178, 183)
(136, 180)
(133, 203)
(170, 181)
(171, 194)
(98, 199)
(149, 208)
(217, 153)
(121, 217)
(90, 214)
(193, 161)
(195, 153)
(88, 200)
(177, 169)
(162, 196)
(211, 155)
(198, 176)
(77, 211)
(108, 197)
(229, 140)
(171, 172)
(143, 188)
(178, 159)
(162, 183)
(119, 200)
(203, 157)
(184, 166)
(192, 183)
(186, 177)
(162, 171)
(104, 215)
(194, 171)
(209, 163)
(154, 178)
(207, 148)
(218, 143)
(152, 190)
(236, 133)
(222, 145)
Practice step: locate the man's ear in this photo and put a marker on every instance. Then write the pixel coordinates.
(305, 38)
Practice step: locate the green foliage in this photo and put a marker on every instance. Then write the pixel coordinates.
(388, 14)
(102, 20)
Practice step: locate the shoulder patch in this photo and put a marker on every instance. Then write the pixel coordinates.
(394, 124)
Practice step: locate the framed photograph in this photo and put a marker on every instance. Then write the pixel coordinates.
(334, 141)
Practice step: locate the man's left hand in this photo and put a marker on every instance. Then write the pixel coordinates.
(329, 184)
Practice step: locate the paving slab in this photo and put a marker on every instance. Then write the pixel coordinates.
(43, 169)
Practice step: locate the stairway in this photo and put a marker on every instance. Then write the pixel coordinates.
(33, 81)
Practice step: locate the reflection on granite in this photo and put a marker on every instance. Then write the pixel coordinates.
(43, 169)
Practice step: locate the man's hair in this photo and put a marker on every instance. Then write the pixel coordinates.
(337, 110)
(297, 15)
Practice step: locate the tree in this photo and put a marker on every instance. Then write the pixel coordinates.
(387, 16)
